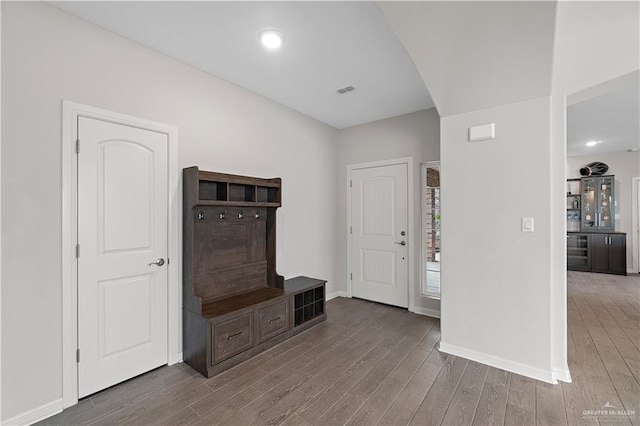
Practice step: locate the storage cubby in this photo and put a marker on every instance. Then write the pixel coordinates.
(308, 305)
(267, 194)
(235, 304)
(262, 194)
(212, 191)
(239, 192)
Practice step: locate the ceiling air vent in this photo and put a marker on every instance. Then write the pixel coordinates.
(344, 90)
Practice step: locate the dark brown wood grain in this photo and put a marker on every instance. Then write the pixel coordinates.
(272, 320)
(224, 282)
(217, 308)
(234, 302)
(232, 336)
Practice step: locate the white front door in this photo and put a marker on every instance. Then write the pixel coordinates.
(379, 234)
(122, 231)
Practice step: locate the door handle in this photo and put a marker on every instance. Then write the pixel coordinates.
(158, 262)
(402, 243)
(233, 336)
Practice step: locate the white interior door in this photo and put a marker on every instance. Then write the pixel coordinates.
(122, 231)
(379, 234)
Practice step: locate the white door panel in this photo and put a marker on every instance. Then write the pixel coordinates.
(124, 303)
(125, 200)
(378, 218)
(122, 229)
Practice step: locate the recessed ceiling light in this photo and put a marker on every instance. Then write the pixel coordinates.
(271, 39)
(592, 143)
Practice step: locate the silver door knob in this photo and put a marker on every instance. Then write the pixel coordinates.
(158, 262)
(402, 243)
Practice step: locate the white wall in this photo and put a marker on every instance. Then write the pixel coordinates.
(414, 135)
(624, 165)
(596, 42)
(590, 43)
(495, 293)
(0, 217)
(48, 56)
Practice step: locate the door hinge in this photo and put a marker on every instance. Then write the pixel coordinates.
(350, 184)
(77, 251)
(77, 146)
(77, 355)
(167, 260)
(351, 229)
(351, 276)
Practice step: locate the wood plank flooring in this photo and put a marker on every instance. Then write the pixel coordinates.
(374, 364)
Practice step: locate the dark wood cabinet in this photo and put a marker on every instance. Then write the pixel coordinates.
(608, 253)
(597, 252)
(578, 255)
(232, 336)
(273, 320)
(235, 305)
(618, 254)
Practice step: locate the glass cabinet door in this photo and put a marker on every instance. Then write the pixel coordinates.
(578, 252)
(589, 208)
(605, 217)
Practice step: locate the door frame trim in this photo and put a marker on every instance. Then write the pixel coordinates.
(635, 226)
(70, 113)
(410, 219)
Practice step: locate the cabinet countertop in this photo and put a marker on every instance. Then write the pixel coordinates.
(596, 232)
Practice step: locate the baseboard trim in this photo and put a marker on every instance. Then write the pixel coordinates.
(335, 294)
(562, 374)
(501, 363)
(37, 414)
(424, 311)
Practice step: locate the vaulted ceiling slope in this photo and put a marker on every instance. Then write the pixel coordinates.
(328, 45)
(476, 55)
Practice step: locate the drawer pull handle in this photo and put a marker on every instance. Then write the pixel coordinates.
(274, 319)
(233, 336)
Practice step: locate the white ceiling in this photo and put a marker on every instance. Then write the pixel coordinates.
(328, 45)
(613, 118)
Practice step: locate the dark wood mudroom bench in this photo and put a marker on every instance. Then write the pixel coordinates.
(235, 305)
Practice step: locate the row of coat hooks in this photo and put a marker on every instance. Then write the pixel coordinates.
(223, 215)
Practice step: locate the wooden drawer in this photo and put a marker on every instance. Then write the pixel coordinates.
(273, 320)
(232, 336)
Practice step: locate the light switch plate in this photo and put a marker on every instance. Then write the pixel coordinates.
(527, 224)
